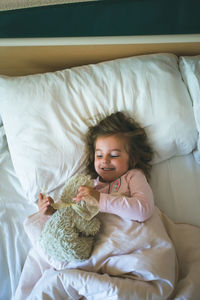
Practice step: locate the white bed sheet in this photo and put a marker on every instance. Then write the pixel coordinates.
(176, 188)
(13, 210)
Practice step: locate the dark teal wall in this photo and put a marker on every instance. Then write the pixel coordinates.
(103, 18)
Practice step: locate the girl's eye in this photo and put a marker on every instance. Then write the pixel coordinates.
(114, 155)
(99, 156)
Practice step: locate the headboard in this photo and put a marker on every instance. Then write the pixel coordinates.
(37, 55)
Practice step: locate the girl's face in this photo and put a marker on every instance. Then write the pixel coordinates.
(111, 159)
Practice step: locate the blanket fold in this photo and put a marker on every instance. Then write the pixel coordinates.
(157, 259)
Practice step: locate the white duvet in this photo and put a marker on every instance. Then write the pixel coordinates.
(157, 259)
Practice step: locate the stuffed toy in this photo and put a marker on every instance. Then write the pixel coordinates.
(69, 233)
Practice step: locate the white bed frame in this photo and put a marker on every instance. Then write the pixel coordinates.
(30, 56)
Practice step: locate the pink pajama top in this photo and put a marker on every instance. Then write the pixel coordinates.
(129, 196)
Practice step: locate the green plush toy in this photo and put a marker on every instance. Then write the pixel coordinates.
(69, 233)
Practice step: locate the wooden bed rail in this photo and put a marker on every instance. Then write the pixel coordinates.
(30, 56)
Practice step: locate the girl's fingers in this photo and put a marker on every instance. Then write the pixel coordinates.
(50, 200)
(48, 209)
(79, 196)
(44, 204)
(47, 200)
(40, 196)
(83, 191)
(76, 199)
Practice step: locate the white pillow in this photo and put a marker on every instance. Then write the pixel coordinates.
(190, 70)
(47, 115)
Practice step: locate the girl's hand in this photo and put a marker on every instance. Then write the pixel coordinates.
(85, 191)
(44, 205)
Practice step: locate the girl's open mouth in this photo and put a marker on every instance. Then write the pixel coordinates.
(107, 169)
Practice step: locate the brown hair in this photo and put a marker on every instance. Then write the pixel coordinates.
(138, 148)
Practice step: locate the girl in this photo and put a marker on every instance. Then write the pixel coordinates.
(118, 156)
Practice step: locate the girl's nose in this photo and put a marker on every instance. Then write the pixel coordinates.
(106, 159)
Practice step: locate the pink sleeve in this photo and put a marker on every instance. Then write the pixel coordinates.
(139, 206)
